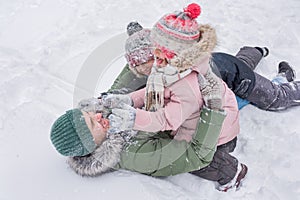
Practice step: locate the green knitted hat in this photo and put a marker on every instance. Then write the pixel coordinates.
(71, 136)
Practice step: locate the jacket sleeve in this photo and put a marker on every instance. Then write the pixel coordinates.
(160, 155)
(181, 106)
(138, 98)
(127, 82)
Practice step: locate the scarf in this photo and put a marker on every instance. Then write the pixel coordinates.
(156, 83)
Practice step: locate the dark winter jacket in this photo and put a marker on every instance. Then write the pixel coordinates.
(235, 73)
(156, 154)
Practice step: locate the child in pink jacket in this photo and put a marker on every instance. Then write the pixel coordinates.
(172, 99)
(182, 104)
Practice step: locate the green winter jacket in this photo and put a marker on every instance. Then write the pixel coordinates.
(127, 82)
(160, 155)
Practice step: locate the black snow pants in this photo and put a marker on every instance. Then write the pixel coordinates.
(223, 167)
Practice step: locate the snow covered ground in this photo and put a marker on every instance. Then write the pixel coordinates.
(43, 47)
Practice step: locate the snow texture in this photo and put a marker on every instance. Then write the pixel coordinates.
(43, 45)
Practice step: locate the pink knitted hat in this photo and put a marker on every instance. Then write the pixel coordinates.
(177, 31)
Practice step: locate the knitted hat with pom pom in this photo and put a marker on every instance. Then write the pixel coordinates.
(138, 46)
(177, 31)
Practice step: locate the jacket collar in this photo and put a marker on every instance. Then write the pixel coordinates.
(195, 55)
(102, 160)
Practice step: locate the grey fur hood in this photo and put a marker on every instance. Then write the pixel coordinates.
(199, 51)
(106, 155)
(102, 160)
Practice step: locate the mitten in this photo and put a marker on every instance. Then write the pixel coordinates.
(114, 100)
(211, 89)
(90, 105)
(121, 119)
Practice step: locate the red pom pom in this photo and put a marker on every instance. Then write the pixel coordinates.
(193, 10)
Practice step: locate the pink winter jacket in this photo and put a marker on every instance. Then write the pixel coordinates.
(183, 102)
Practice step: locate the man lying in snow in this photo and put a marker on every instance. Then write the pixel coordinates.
(239, 78)
(82, 135)
(229, 178)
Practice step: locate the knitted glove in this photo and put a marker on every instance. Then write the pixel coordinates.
(121, 119)
(90, 105)
(211, 89)
(114, 100)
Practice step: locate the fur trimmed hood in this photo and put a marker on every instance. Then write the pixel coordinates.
(198, 52)
(102, 160)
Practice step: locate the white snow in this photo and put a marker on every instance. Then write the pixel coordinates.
(43, 47)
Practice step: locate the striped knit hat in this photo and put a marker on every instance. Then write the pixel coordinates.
(177, 31)
(71, 136)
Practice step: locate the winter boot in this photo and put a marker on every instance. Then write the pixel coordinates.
(237, 180)
(263, 50)
(287, 71)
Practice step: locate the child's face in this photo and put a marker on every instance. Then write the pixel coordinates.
(145, 68)
(162, 56)
(97, 125)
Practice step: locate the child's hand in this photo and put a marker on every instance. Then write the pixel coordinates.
(90, 105)
(122, 118)
(114, 100)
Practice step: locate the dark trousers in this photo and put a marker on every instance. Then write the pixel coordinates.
(266, 94)
(249, 55)
(223, 167)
